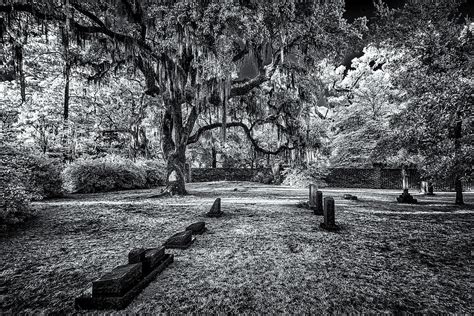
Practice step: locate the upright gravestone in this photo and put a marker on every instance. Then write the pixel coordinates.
(215, 209)
(315, 200)
(405, 197)
(312, 195)
(329, 214)
(318, 209)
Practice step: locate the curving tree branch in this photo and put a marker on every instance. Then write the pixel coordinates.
(248, 132)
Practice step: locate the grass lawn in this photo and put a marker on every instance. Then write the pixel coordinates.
(264, 255)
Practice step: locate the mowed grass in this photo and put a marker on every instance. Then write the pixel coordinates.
(264, 255)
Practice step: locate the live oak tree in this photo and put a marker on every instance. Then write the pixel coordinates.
(191, 52)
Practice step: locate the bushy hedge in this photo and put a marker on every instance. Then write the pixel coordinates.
(263, 177)
(45, 179)
(302, 176)
(111, 173)
(155, 172)
(14, 197)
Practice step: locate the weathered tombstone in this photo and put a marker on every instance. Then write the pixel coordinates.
(312, 195)
(405, 197)
(180, 240)
(215, 209)
(430, 189)
(118, 281)
(427, 188)
(329, 214)
(318, 208)
(197, 228)
(150, 258)
(136, 255)
(103, 298)
(349, 197)
(153, 257)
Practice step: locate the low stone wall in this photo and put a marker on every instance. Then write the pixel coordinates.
(370, 178)
(382, 178)
(225, 174)
(373, 178)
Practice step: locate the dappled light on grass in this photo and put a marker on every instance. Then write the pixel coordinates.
(264, 255)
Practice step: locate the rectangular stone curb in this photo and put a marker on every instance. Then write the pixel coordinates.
(87, 301)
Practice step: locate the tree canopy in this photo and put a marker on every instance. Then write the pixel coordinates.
(295, 78)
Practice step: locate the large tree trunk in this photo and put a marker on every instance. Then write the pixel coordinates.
(176, 173)
(214, 157)
(19, 59)
(457, 154)
(458, 188)
(175, 137)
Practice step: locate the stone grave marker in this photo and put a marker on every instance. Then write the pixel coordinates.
(197, 228)
(349, 197)
(181, 240)
(318, 208)
(136, 255)
(312, 195)
(215, 209)
(118, 281)
(329, 215)
(150, 257)
(406, 197)
(116, 289)
(153, 257)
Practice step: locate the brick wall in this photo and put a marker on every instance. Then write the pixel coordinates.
(373, 178)
(370, 178)
(381, 178)
(225, 174)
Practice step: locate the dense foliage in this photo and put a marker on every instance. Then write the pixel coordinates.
(240, 83)
(304, 175)
(435, 123)
(14, 196)
(191, 56)
(111, 173)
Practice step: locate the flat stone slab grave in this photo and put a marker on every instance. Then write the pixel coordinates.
(349, 197)
(181, 240)
(93, 299)
(148, 257)
(197, 228)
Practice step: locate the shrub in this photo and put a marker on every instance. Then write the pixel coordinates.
(155, 172)
(14, 196)
(303, 176)
(45, 179)
(111, 173)
(263, 177)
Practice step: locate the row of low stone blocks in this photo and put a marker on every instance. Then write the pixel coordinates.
(117, 288)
